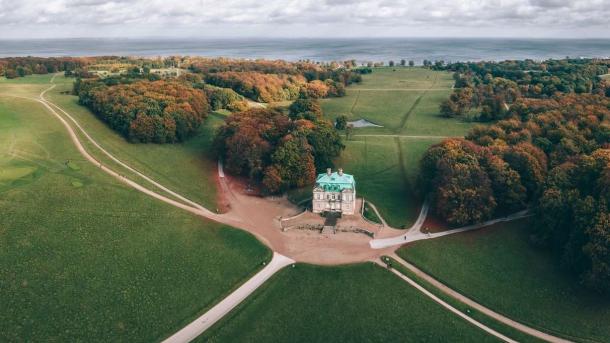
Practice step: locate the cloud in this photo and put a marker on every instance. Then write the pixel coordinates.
(136, 17)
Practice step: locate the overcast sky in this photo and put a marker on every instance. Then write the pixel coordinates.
(304, 18)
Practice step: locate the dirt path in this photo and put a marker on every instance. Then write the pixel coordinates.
(507, 321)
(447, 306)
(374, 208)
(405, 118)
(256, 215)
(213, 315)
(415, 233)
(260, 217)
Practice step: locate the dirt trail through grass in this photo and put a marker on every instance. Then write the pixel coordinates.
(403, 121)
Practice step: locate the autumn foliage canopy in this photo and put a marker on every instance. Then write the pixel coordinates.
(145, 111)
(551, 155)
(270, 148)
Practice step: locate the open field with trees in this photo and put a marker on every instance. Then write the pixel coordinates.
(549, 150)
(386, 170)
(403, 100)
(350, 303)
(85, 257)
(406, 101)
(185, 167)
(498, 268)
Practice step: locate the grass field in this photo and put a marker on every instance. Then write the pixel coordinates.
(386, 170)
(403, 100)
(471, 312)
(385, 161)
(187, 168)
(354, 303)
(498, 268)
(85, 258)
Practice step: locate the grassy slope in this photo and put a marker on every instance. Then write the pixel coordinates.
(498, 268)
(355, 303)
(406, 101)
(187, 168)
(375, 164)
(84, 258)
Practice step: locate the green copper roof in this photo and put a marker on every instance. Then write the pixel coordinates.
(335, 182)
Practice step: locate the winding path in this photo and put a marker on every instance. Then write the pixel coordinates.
(502, 319)
(278, 261)
(213, 315)
(415, 234)
(447, 306)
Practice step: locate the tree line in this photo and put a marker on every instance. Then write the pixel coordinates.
(145, 111)
(486, 90)
(549, 154)
(270, 81)
(278, 150)
(13, 67)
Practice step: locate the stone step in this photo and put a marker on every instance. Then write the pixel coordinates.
(328, 229)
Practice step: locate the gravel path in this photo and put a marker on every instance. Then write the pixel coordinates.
(213, 315)
(478, 307)
(279, 261)
(447, 306)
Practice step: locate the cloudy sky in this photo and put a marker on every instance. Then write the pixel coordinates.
(304, 18)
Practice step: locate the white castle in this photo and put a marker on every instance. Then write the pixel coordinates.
(334, 192)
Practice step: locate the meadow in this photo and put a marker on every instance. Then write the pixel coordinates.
(403, 100)
(386, 169)
(187, 168)
(498, 268)
(85, 258)
(385, 161)
(352, 303)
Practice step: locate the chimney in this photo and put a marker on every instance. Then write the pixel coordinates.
(329, 171)
(340, 171)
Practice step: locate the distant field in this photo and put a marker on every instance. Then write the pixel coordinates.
(25, 86)
(498, 268)
(354, 303)
(84, 258)
(403, 100)
(188, 168)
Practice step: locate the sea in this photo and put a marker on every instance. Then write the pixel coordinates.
(317, 49)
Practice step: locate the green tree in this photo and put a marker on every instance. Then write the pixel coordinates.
(301, 106)
(341, 122)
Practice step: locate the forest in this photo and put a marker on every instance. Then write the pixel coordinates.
(276, 150)
(485, 90)
(548, 153)
(271, 81)
(13, 67)
(145, 111)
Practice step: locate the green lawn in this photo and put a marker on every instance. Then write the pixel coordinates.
(385, 161)
(405, 78)
(386, 170)
(187, 168)
(29, 86)
(30, 79)
(403, 100)
(498, 268)
(375, 165)
(386, 108)
(84, 258)
(354, 303)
